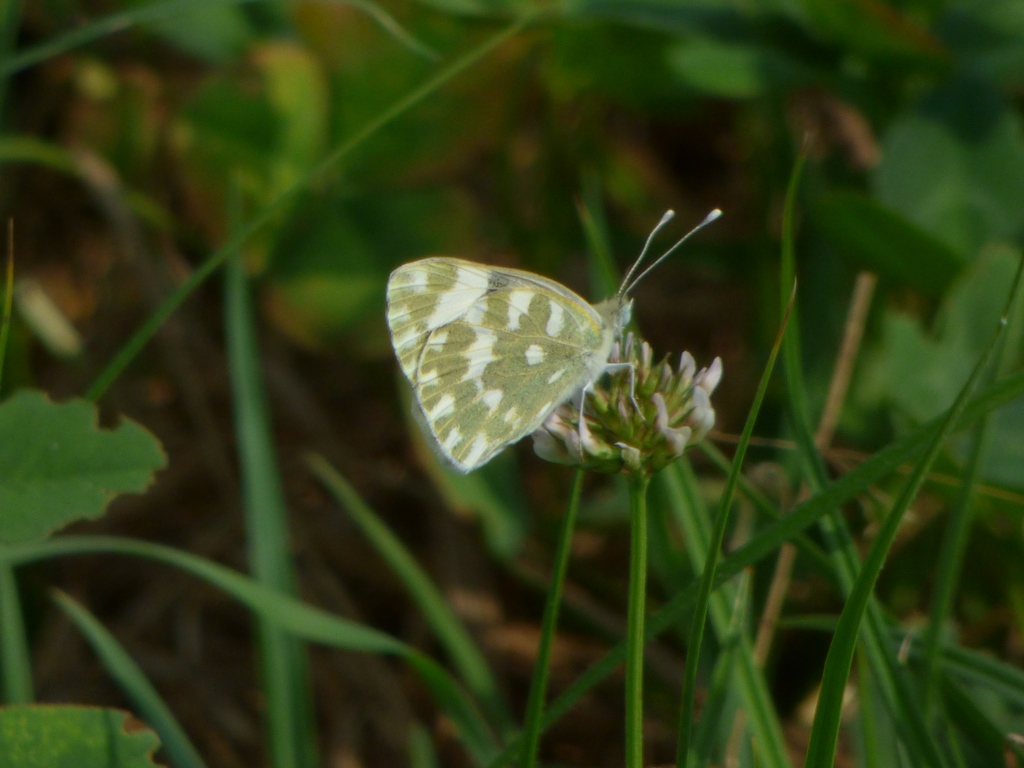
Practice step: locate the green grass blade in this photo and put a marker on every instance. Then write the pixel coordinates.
(136, 686)
(30, 149)
(707, 580)
(815, 555)
(108, 25)
(897, 693)
(720, 704)
(604, 275)
(532, 723)
(958, 526)
(769, 539)
(987, 673)
(983, 735)
(873, 754)
(7, 307)
(268, 213)
(17, 663)
(10, 21)
(792, 356)
(747, 679)
(152, 13)
(289, 705)
(304, 621)
(636, 614)
(447, 627)
(421, 748)
(880, 465)
(821, 751)
(950, 560)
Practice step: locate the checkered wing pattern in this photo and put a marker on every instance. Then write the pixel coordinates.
(490, 352)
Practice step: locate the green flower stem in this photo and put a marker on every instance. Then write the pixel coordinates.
(532, 725)
(17, 668)
(8, 300)
(638, 484)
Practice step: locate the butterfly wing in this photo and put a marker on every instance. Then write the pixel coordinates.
(489, 352)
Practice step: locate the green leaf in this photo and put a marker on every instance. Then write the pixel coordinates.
(57, 465)
(732, 71)
(43, 736)
(955, 167)
(876, 237)
(919, 373)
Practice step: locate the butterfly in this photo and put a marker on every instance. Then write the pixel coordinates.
(490, 352)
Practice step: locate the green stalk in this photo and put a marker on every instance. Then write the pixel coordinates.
(532, 724)
(289, 707)
(150, 707)
(16, 669)
(8, 301)
(707, 580)
(821, 750)
(17, 666)
(638, 485)
(10, 20)
(958, 526)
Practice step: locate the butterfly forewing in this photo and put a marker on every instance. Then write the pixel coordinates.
(490, 352)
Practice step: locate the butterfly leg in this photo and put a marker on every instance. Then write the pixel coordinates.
(615, 367)
(581, 422)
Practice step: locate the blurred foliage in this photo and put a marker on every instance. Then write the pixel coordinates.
(910, 110)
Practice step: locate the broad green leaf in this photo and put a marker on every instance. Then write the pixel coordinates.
(57, 465)
(876, 237)
(732, 71)
(955, 166)
(919, 373)
(65, 736)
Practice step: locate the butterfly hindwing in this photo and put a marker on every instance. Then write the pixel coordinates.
(489, 352)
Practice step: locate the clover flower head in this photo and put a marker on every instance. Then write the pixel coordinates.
(670, 409)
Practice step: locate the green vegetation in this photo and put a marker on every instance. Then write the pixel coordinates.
(217, 513)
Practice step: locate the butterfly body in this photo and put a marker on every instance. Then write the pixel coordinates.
(490, 352)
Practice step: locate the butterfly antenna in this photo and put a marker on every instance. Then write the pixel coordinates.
(665, 219)
(707, 220)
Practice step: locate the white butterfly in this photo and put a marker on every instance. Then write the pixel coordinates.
(491, 352)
